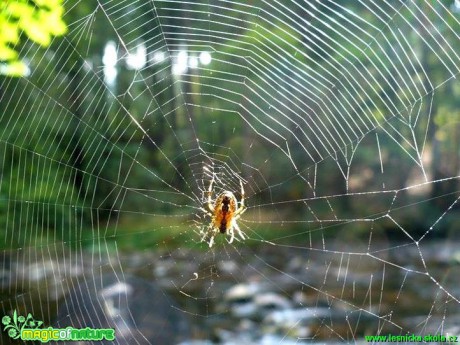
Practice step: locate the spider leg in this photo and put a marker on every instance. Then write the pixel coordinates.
(206, 212)
(232, 234)
(242, 207)
(205, 234)
(242, 195)
(238, 230)
(239, 212)
(209, 193)
(208, 236)
(211, 240)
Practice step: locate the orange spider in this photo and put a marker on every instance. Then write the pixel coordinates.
(224, 214)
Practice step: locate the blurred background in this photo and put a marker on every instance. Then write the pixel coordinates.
(340, 119)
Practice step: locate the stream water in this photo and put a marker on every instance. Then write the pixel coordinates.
(269, 294)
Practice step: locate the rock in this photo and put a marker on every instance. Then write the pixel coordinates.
(253, 301)
(139, 311)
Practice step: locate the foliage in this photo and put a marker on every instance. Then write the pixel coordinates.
(39, 20)
(104, 163)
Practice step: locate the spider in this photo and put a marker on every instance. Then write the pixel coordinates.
(224, 214)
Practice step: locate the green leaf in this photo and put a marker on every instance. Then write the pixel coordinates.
(9, 32)
(19, 10)
(40, 20)
(36, 32)
(6, 53)
(49, 3)
(14, 69)
(51, 20)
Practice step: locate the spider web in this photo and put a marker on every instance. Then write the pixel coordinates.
(326, 111)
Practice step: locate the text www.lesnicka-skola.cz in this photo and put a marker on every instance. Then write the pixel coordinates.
(429, 338)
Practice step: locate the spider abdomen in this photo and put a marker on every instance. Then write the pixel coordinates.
(224, 209)
(223, 226)
(223, 220)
